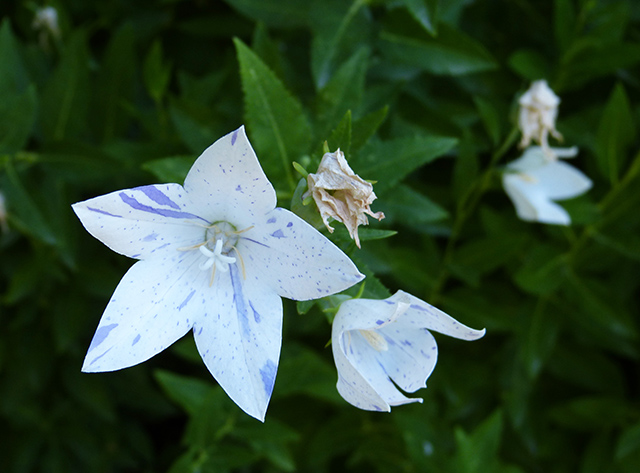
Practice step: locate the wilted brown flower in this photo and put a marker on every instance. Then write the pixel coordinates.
(341, 194)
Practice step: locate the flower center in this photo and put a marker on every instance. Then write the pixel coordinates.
(374, 339)
(220, 239)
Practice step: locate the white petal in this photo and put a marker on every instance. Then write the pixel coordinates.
(227, 183)
(239, 336)
(142, 221)
(152, 307)
(411, 355)
(351, 384)
(295, 259)
(423, 315)
(366, 360)
(530, 202)
(559, 180)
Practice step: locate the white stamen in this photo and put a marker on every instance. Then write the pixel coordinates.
(215, 258)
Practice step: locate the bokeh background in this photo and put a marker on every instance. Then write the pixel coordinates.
(421, 96)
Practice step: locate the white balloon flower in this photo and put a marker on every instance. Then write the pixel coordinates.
(535, 180)
(215, 257)
(380, 345)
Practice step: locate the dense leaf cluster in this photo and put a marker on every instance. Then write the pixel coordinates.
(421, 96)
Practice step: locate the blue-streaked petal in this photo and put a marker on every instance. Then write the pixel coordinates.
(367, 361)
(367, 314)
(420, 314)
(239, 337)
(153, 306)
(352, 386)
(410, 356)
(227, 183)
(297, 261)
(142, 221)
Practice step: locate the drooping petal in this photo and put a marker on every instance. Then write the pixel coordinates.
(366, 360)
(410, 357)
(294, 259)
(351, 384)
(559, 181)
(423, 315)
(151, 308)
(227, 183)
(531, 203)
(239, 337)
(142, 221)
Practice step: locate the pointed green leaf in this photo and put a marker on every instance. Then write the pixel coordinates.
(13, 75)
(115, 84)
(278, 128)
(425, 12)
(172, 169)
(344, 91)
(390, 161)
(280, 14)
(364, 128)
(66, 96)
(451, 53)
(615, 133)
(18, 114)
(156, 72)
(189, 393)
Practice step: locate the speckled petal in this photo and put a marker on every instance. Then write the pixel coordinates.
(227, 183)
(352, 386)
(239, 338)
(423, 315)
(143, 221)
(297, 261)
(151, 308)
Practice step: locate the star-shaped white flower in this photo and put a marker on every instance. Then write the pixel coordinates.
(536, 179)
(380, 345)
(537, 115)
(215, 257)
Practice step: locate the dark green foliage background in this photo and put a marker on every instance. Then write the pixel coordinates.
(422, 97)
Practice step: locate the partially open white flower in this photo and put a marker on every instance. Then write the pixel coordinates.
(215, 257)
(45, 22)
(382, 345)
(341, 194)
(537, 116)
(536, 179)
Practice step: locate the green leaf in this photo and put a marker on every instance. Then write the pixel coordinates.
(339, 28)
(451, 53)
(341, 136)
(115, 84)
(543, 271)
(156, 72)
(390, 161)
(491, 118)
(406, 206)
(477, 452)
(26, 214)
(564, 23)
(172, 169)
(189, 393)
(280, 14)
(278, 127)
(344, 91)
(529, 64)
(66, 96)
(615, 133)
(628, 447)
(13, 75)
(364, 128)
(425, 12)
(18, 112)
(196, 134)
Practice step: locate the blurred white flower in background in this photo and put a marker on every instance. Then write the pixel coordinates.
(45, 22)
(536, 179)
